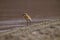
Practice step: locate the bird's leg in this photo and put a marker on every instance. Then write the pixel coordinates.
(27, 22)
(30, 22)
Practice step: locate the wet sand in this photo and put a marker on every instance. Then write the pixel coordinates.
(10, 24)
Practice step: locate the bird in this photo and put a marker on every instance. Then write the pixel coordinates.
(27, 18)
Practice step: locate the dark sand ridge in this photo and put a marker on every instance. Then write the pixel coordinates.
(13, 9)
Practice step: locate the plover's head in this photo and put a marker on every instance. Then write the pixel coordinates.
(25, 14)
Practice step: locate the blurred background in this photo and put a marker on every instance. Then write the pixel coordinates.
(13, 9)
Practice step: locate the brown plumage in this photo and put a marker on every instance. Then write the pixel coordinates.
(27, 18)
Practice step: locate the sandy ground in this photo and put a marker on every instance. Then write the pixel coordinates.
(45, 30)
